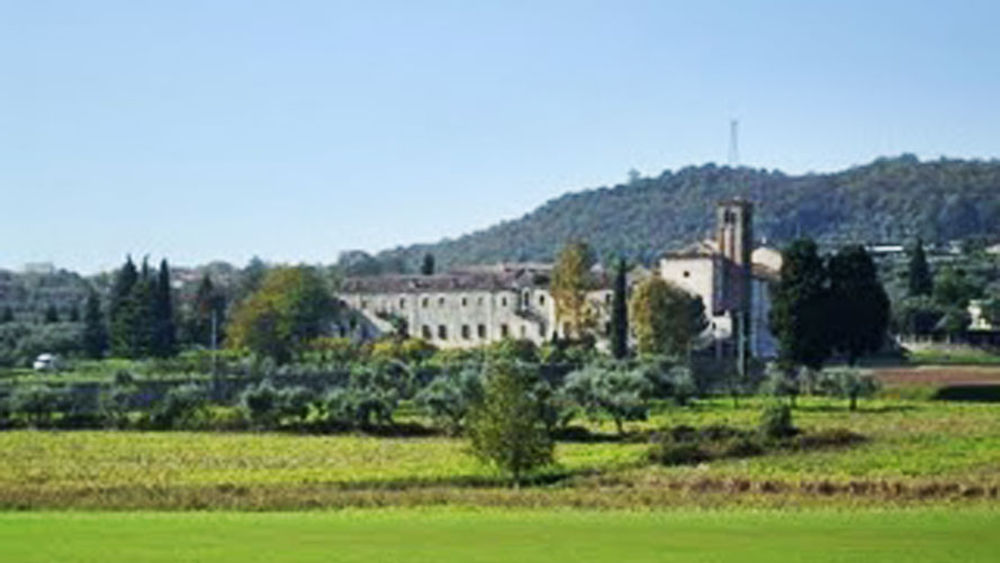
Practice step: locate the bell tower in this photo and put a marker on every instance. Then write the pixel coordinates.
(734, 236)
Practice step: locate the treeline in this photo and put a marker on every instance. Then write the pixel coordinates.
(890, 199)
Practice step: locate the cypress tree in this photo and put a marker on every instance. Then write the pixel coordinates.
(619, 313)
(921, 282)
(95, 335)
(859, 306)
(51, 314)
(799, 307)
(164, 339)
(122, 311)
(427, 267)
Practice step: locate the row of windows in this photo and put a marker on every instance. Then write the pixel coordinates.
(427, 333)
(425, 302)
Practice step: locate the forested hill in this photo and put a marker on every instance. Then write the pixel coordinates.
(889, 200)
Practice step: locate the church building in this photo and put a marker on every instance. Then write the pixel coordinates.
(478, 305)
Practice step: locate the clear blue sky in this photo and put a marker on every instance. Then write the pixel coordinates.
(294, 130)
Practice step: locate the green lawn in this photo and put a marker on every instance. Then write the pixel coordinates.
(444, 535)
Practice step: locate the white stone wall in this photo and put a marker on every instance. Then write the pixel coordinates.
(471, 318)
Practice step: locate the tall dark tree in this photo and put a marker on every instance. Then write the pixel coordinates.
(7, 316)
(95, 333)
(164, 341)
(427, 267)
(51, 314)
(122, 311)
(619, 313)
(920, 280)
(74, 314)
(799, 307)
(207, 302)
(859, 306)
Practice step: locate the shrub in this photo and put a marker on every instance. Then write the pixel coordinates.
(259, 405)
(776, 422)
(36, 403)
(850, 384)
(678, 453)
(295, 402)
(180, 407)
(448, 397)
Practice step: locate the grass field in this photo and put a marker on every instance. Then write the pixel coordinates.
(915, 450)
(443, 535)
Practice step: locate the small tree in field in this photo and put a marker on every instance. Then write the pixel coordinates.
(850, 384)
(506, 428)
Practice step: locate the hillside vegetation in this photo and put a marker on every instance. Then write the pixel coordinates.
(890, 199)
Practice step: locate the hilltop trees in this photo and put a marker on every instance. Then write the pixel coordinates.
(666, 319)
(291, 307)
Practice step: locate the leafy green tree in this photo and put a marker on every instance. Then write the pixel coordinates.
(859, 306)
(74, 314)
(427, 267)
(292, 307)
(95, 333)
(620, 393)
(953, 288)
(800, 306)
(920, 281)
(506, 428)
(917, 316)
(666, 319)
(570, 284)
(619, 313)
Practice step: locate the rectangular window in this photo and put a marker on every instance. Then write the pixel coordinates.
(465, 301)
(424, 302)
(425, 332)
(541, 300)
(466, 332)
(503, 331)
(402, 303)
(524, 331)
(541, 330)
(442, 332)
(440, 301)
(481, 330)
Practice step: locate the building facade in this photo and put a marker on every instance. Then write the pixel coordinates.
(480, 305)
(467, 308)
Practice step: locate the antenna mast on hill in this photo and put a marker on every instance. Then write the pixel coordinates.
(734, 143)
